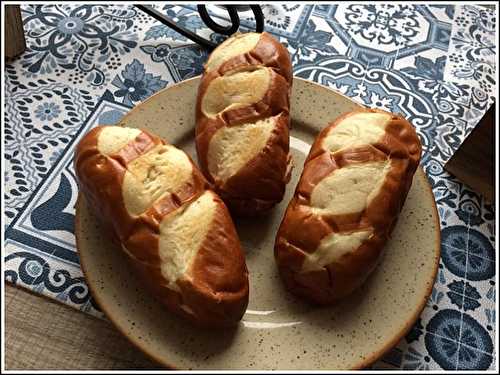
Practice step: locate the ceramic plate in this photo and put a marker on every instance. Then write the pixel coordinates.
(278, 331)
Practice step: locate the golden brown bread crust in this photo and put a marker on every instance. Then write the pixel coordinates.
(261, 182)
(301, 230)
(216, 293)
(267, 52)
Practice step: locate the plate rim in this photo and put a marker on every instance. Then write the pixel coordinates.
(370, 359)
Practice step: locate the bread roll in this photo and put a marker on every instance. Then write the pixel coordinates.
(353, 186)
(176, 233)
(242, 122)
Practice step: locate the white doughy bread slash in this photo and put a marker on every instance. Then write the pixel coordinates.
(349, 189)
(333, 247)
(162, 170)
(232, 147)
(113, 138)
(236, 90)
(237, 45)
(357, 130)
(182, 233)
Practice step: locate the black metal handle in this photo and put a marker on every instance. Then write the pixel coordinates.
(226, 30)
(259, 18)
(202, 10)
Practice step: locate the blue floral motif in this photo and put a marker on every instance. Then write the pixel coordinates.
(313, 44)
(273, 17)
(445, 193)
(132, 89)
(36, 272)
(472, 42)
(451, 98)
(385, 24)
(453, 197)
(463, 295)
(455, 340)
(42, 133)
(415, 332)
(481, 256)
(469, 212)
(381, 34)
(429, 76)
(47, 111)
(63, 37)
(472, 56)
(441, 279)
(183, 17)
(188, 60)
(467, 253)
(375, 100)
(135, 84)
(182, 61)
(486, 19)
(491, 292)
(414, 360)
(434, 168)
(435, 298)
(444, 214)
(158, 53)
(490, 319)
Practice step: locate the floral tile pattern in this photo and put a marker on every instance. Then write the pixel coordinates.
(135, 85)
(472, 49)
(40, 119)
(64, 38)
(89, 64)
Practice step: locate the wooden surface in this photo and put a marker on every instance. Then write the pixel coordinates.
(43, 334)
(474, 162)
(15, 42)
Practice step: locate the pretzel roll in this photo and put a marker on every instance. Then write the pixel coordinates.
(351, 191)
(243, 120)
(176, 233)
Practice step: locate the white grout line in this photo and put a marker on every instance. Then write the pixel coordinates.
(464, 251)
(460, 344)
(463, 292)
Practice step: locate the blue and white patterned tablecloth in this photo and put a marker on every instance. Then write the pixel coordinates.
(90, 64)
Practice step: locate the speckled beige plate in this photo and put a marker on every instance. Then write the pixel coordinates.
(278, 331)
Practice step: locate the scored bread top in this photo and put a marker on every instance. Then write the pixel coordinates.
(182, 233)
(162, 170)
(243, 102)
(349, 189)
(234, 47)
(244, 50)
(157, 203)
(354, 183)
(235, 90)
(232, 147)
